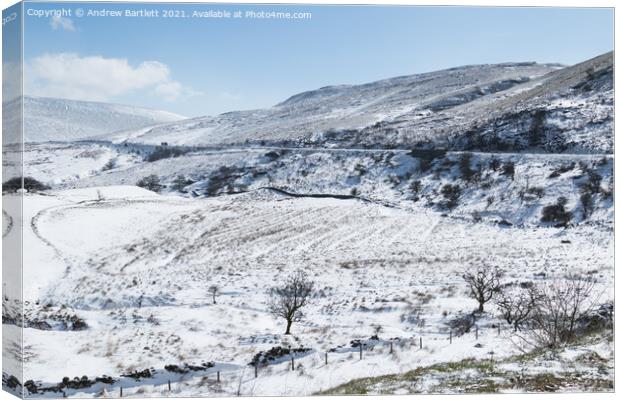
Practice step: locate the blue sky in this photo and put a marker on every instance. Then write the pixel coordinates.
(196, 66)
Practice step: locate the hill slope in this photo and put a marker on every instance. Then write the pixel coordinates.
(51, 119)
(502, 107)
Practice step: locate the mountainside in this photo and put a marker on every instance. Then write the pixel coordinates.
(502, 107)
(51, 119)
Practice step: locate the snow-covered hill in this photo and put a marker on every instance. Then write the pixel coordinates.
(511, 106)
(392, 190)
(51, 119)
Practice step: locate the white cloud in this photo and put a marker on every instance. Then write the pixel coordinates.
(68, 75)
(59, 22)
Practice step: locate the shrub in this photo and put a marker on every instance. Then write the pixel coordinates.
(556, 213)
(30, 185)
(494, 164)
(561, 169)
(360, 169)
(416, 186)
(425, 164)
(451, 194)
(111, 164)
(162, 152)
(465, 167)
(559, 308)
(516, 306)
(593, 183)
(462, 323)
(490, 200)
(587, 204)
(536, 191)
(180, 182)
(509, 170)
(151, 183)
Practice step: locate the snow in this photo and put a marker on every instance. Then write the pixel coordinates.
(136, 265)
(51, 119)
(372, 263)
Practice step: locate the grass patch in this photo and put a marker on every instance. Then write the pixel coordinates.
(486, 376)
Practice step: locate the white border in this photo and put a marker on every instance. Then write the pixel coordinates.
(484, 3)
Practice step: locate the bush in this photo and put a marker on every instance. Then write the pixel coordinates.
(180, 182)
(360, 169)
(536, 191)
(462, 324)
(465, 167)
(162, 152)
(556, 213)
(560, 306)
(111, 164)
(494, 164)
(490, 200)
(509, 170)
(425, 164)
(593, 183)
(30, 185)
(516, 306)
(587, 204)
(451, 194)
(561, 169)
(416, 186)
(151, 183)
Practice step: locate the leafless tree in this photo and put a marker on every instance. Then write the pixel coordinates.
(516, 306)
(483, 284)
(287, 300)
(214, 290)
(559, 308)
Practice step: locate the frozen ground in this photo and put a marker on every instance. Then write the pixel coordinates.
(116, 277)
(136, 266)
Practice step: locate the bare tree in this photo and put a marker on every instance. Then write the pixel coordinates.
(559, 308)
(214, 290)
(483, 284)
(287, 300)
(516, 306)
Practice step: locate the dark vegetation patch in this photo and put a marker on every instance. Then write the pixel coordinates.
(137, 375)
(162, 152)
(185, 368)
(556, 213)
(30, 184)
(275, 353)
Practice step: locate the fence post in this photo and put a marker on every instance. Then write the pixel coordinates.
(391, 347)
(121, 391)
(450, 336)
(476, 332)
(292, 363)
(325, 358)
(420, 341)
(256, 370)
(169, 388)
(499, 329)
(218, 376)
(361, 350)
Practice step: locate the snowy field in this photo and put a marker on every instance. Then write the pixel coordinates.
(384, 194)
(136, 266)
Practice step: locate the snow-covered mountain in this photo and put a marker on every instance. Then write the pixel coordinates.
(52, 119)
(511, 106)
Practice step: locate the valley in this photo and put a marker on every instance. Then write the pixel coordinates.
(153, 250)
